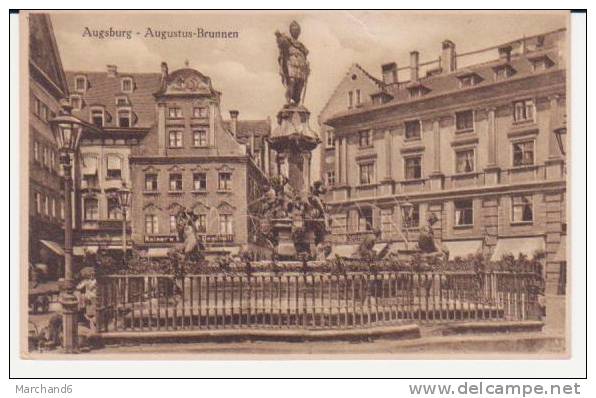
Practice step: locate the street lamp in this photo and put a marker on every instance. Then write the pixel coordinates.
(124, 198)
(406, 212)
(67, 131)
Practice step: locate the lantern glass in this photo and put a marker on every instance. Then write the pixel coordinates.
(406, 209)
(124, 195)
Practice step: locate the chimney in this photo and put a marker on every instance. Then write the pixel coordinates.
(112, 70)
(414, 65)
(505, 53)
(448, 60)
(234, 124)
(389, 73)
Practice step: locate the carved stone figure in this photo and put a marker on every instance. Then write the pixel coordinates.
(187, 232)
(427, 242)
(293, 65)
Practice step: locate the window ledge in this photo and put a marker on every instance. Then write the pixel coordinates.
(365, 147)
(175, 192)
(412, 139)
(465, 131)
(367, 186)
(199, 192)
(524, 167)
(150, 192)
(464, 175)
(466, 226)
(413, 181)
(514, 223)
(224, 191)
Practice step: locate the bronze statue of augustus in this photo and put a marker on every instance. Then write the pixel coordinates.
(293, 65)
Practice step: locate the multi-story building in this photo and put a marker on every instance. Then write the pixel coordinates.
(47, 86)
(122, 108)
(478, 140)
(191, 158)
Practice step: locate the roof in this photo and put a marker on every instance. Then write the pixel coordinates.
(103, 90)
(44, 54)
(443, 83)
(260, 128)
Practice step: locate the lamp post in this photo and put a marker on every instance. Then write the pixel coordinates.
(67, 133)
(406, 212)
(124, 197)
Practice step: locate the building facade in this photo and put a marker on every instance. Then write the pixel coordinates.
(122, 108)
(479, 144)
(192, 159)
(47, 86)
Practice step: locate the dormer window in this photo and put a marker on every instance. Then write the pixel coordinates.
(469, 80)
(417, 90)
(75, 102)
(503, 72)
(541, 63)
(81, 84)
(126, 85)
(124, 117)
(97, 117)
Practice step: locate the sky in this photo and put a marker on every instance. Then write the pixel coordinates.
(245, 69)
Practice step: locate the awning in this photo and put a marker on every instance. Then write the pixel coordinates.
(154, 252)
(81, 250)
(463, 248)
(561, 255)
(342, 251)
(53, 246)
(516, 246)
(114, 163)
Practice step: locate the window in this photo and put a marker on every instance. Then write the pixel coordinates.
(413, 167)
(91, 209)
(52, 159)
(367, 173)
(330, 139)
(36, 151)
(75, 102)
(225, 182)
(541, 64)
(175, 112)
(175, 182)
(199, 181)
(523, 153)
(46, 205)
(200, 112)
(53, 207)
(114, 208)
(97, 117)
(365, 219)
(36, 106)
(127, 85)
(522, 209)
(199, 138)
(523, 111)
(151, 182)
(124, 119)
(175, 139)
(331, 178)
(464, 120)
(464, 213)
(201, 223)
(413, 220)
(464, 161)
(504, 72)
(225, 224)
(151, 225)
(364, 139)
(37, 199)
(350, 99)
(122, 101)
(173, 224)
(80, 83)
(358, 97)
(416, 92)
(45, 156)
(89, 171)
(62, 209)
(114, 167)
(413, 130)
(467, 81)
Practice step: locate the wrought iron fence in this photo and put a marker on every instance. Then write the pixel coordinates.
(311, 300)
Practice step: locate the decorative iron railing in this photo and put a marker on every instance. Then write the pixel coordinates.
(313, 300)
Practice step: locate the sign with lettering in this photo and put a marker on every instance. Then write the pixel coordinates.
(161, 239)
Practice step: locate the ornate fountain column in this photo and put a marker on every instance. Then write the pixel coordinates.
(292, 138)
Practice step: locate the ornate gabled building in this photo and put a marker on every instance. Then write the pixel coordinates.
(481, 144)
(47, 86)
(191, 158)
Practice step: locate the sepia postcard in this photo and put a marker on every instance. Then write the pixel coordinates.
(294, 184)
